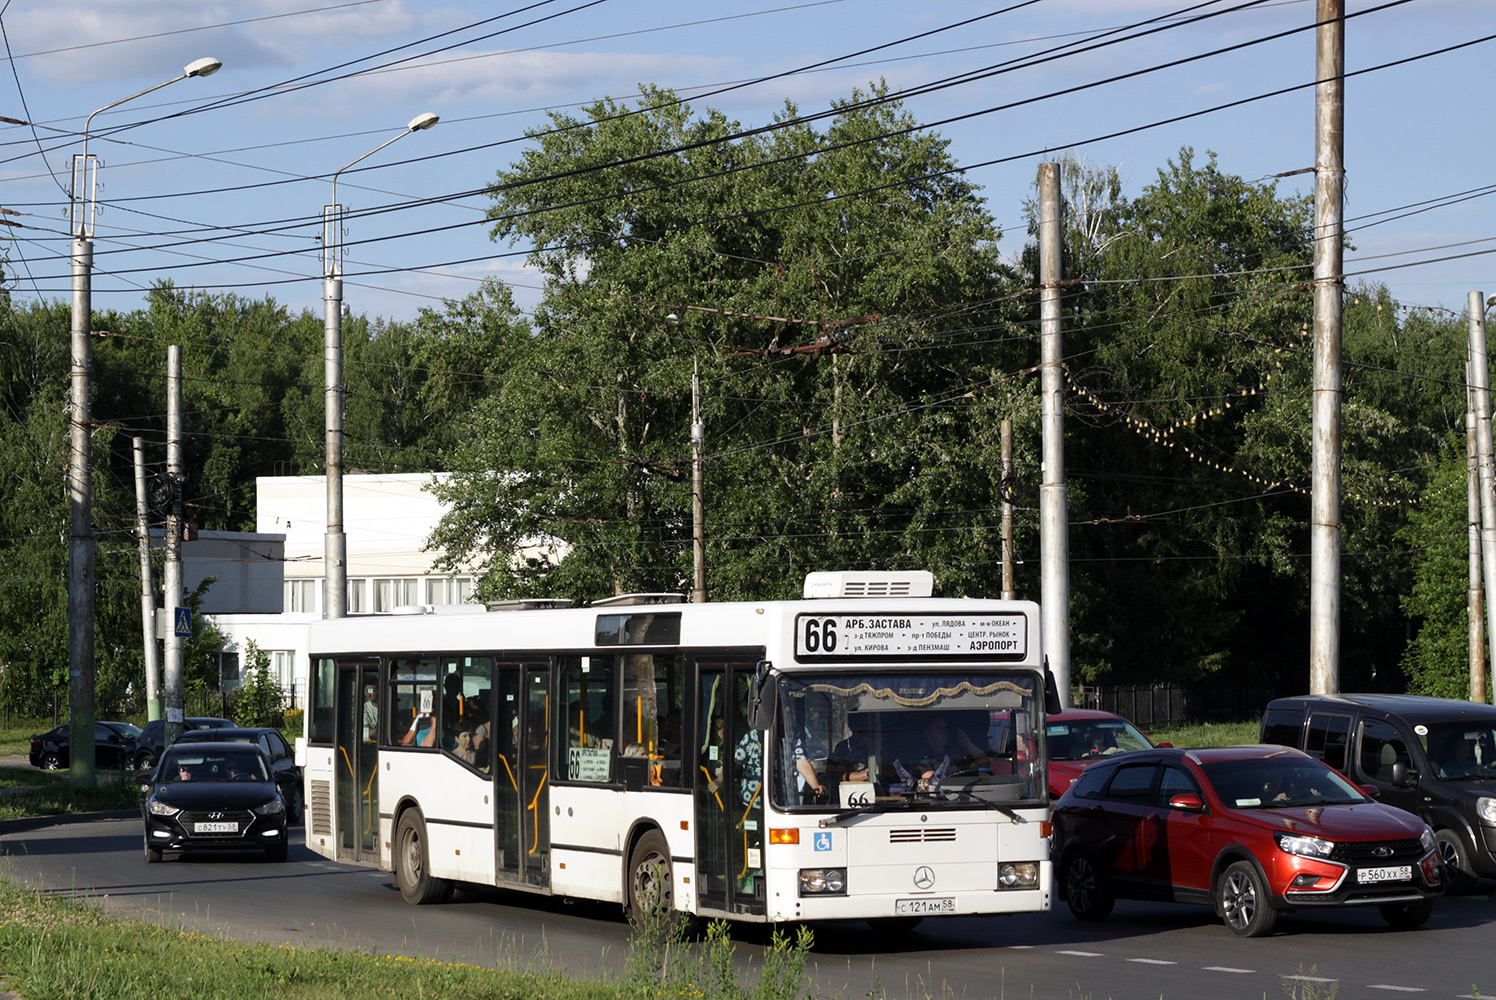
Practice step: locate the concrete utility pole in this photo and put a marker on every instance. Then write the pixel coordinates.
(175, 694)
(147, 591)
(1329, 254)
(81, 662)
(335, 543)
(698, 509)
(1480, 389)
(1475, 599)
(1054, 526)
(1009, 593)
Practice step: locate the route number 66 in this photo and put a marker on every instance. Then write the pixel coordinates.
(820, 635)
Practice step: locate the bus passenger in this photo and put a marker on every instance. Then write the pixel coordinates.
(464, 750)
(422, 732)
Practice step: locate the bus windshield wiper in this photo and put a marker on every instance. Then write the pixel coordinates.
(967, 793)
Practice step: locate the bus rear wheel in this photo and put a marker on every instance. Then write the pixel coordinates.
(413, 863)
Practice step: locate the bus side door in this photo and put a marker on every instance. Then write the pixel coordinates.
(729, 791)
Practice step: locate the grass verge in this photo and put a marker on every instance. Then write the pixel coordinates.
(1211, 734)
(48, 793)
(56, 947)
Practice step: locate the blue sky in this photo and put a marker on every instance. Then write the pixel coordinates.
(219, 192)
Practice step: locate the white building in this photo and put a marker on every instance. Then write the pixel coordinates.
(269, 582)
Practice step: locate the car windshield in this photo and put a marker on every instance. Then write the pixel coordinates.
(895, 740)
(216, 765)
(1459, 750)
(1080, 739)
(1279, 782)
(125, 729)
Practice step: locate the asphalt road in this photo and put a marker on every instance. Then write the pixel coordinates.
(1144, 951)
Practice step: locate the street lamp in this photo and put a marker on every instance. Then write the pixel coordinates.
(335, 544)
(80, 492)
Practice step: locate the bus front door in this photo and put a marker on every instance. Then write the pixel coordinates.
(356, 763)
(520, 768)
(729, 795)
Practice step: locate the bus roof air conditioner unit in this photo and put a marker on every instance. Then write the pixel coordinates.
(870, 583)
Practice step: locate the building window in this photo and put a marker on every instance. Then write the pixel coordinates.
(358, 602)
(228, 671)
(391, 594)
(301, 596)
(282, 667)
(449, 590)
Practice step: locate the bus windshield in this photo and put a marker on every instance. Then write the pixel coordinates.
(889, 740)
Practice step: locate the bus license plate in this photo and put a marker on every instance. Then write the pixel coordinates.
(944, 904)
(215, 828)
(1395, 873)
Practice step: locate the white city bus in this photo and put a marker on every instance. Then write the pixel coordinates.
(617, 752)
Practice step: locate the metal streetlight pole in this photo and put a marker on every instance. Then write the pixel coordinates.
(80, 462)
(335, 544)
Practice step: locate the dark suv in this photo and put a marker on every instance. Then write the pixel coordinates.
(152, 739)
(1435, 757)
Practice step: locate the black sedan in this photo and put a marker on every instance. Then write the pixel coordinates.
(212, 797)
(114, 745)
(282, 759)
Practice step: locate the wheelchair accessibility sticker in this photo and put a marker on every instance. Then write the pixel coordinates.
(823, 841)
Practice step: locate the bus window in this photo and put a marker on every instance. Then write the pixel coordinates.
(652, 693)
(587, 687)
(413, 702)
(467, 683)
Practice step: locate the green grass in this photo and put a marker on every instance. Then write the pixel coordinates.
(55, 947)
(1210, 734)
(48, 793)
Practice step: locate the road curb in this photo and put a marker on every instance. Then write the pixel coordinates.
(24, 823)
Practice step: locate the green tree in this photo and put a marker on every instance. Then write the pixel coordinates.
(841, 291)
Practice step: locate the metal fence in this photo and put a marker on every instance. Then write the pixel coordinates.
(207, 703)
(1177, 703)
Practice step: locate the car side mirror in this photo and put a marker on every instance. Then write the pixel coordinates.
(1165, 745)
(1187, 802)
(1403, 776)
(1370, 791)
(146, 784)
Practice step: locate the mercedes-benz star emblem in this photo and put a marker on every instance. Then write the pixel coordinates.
(924, 877)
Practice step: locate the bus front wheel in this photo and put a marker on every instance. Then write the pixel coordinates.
(413, 863)
(651, 880)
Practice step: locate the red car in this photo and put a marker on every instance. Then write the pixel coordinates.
(1252, 831)
(1081, 736)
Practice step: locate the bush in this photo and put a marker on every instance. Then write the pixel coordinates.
(259, 701)
(292, 725)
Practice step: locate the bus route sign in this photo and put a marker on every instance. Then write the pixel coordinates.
(943, 636)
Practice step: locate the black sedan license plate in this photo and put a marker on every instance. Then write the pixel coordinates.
(941, 904)
(1391, 873)
(215, 827)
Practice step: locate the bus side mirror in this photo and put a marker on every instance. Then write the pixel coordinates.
(763, 696)
(1051, 692)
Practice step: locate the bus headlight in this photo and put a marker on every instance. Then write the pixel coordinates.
(1018, 875)
(823, 882)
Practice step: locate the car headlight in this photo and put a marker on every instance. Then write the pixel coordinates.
(1018, 875)
(1485, 808)
(161, 808)
(1308, 847)
(1426, 839)
(823, 882)
(270, 808)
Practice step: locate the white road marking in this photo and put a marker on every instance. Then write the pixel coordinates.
(1222, 968)
(1399, 989)
(1151, 961)
(1082, 954)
